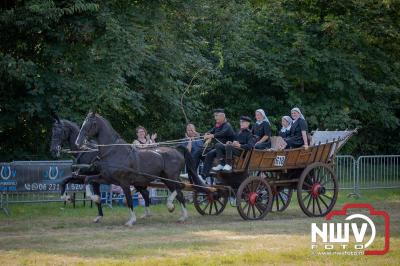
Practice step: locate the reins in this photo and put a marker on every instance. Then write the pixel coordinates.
(150, 176)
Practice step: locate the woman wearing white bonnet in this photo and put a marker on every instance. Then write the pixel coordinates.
(286, 125)
(262, 130)
(298, 131)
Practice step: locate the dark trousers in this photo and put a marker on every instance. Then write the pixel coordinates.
(208, 161)
(222, 152)
(197, 156)
(293, 143)
(263, 145)
(226, 151)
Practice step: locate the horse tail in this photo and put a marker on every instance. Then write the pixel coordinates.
(190, 167)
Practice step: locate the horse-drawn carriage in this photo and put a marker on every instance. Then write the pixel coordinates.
(264, 180)
(261, 180)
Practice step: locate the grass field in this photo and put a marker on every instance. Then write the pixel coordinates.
(48, 234)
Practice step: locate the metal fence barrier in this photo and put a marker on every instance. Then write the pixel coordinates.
(345, 170)
(39, 181)
(380, 171)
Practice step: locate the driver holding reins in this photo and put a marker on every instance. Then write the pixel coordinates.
(222, 132)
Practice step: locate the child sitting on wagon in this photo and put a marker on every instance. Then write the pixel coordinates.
(244, 140)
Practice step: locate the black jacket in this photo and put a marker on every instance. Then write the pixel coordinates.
(284, 134)
(261, 130)
(295, 138)
(246, 139)
(223, 133)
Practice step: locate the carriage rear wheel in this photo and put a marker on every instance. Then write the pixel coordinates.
(254, 198)
(211, 203)
(317, 190)
(281, 198)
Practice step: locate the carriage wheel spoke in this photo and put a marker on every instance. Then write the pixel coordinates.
(319, 206)
(215, 206)
(250, 186)
(326, 181)
(254, 211)
(317, 175)
(258, 209)
(307, 184)
(259, 183)
(313, 205)
(247, 189)
(245, 206)
(283, 201)
(205, 208)
(248, 211)
(309, 201)
(210, 210)
(262, 189)
(305, 198)
(323, 202)
(326, 196)
(203, 200)
(220, 202)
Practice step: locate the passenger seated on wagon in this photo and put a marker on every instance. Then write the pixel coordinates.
(286, 125)
(143, 139)
(222, 133)
(262, 131)
(298, 131)
(194, 143)
(244, 140)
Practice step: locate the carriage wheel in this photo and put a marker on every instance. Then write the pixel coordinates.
(317, 190)
(281, 198)
(254, 198)
(212, 203)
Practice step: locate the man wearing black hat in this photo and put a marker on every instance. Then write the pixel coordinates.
(222, 133)
(244, 140)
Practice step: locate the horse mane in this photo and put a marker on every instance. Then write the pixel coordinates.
(108, 124)
(70, 124)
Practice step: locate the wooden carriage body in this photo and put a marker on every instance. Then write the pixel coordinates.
(264, 180)
(323, 148)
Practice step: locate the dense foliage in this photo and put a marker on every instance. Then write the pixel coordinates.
(339, 61)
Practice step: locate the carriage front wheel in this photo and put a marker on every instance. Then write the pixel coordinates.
(211, 203)
(254, 198)
(317, 190)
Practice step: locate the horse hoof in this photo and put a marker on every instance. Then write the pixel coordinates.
(129, 224)
(171, 208)
(66, 198)
(97, 219)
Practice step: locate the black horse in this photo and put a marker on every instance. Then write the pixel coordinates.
(124, 165)
(64, 134)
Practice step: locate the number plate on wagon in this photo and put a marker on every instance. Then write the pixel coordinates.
(279, 160)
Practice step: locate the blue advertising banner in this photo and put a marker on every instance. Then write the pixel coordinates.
(35, 176)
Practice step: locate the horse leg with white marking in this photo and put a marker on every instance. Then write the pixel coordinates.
(96, 189)
(184, 213)
(88, 182)
(170, 201)
(64, 195)
(129, 202)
